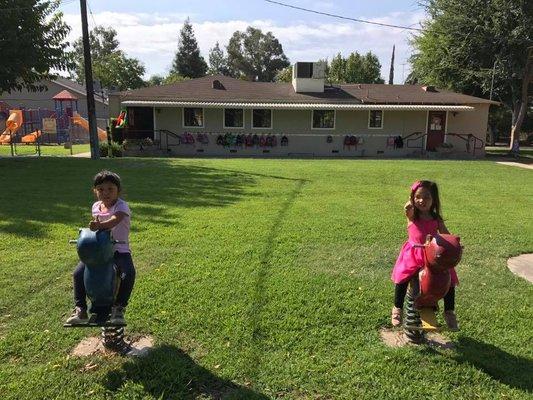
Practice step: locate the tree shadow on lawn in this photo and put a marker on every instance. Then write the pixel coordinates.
(167, 372)
(40, 196)
(514, 371)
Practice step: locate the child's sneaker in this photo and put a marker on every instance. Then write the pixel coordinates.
(79, 316)
(451, 320)
(117, 315)
(396, 316)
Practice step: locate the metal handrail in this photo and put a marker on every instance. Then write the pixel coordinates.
(467, 137)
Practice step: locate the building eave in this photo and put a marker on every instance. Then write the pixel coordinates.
(299, 106)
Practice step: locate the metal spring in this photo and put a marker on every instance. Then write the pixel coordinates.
(113, 339)
(412, 318)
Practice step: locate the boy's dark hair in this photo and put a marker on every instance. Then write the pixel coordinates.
(435, 206)
(106, 176)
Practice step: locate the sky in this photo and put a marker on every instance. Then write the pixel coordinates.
(149, 30)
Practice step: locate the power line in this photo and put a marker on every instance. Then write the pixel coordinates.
(92, 15)
(342, 17)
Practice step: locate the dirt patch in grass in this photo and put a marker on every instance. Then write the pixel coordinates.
(140, 346)
(396, 338)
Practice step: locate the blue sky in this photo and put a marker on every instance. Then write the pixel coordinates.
(149, 30)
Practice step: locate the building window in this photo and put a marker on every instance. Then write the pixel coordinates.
(262, 118)
(375, 119)
(323, 119)
(193, 117)
(233, 118)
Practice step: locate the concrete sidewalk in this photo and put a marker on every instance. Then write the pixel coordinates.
(522, 266)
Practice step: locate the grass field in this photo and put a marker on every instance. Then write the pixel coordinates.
(46, 150)
(264, 279)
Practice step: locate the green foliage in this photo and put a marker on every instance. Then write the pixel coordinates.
(188, 62)
(174, 78)
(263, 279)
(116, 149)
(32, 43)
(284, 75)
(110, 65)
(155, 80)
(218, 62)
(462, 39)
(255, 55)
(355, 69)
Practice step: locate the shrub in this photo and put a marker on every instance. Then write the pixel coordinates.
(116, 149)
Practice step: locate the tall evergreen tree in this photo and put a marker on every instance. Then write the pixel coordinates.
(32, 43)
(337, 69)
(218, 63)
(391, 72)
(355, 69)
(188, 62)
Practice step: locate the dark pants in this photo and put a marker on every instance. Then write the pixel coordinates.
(400, 291)
(126, 270)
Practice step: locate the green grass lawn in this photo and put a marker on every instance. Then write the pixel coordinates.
(46, 150)
(264, 279)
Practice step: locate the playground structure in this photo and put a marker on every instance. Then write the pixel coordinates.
(441, 253)
(47, 127)
(101, 280)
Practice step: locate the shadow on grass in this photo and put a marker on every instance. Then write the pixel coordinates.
(258, 299)
(511, 370)
(37, 192)
(169, 373)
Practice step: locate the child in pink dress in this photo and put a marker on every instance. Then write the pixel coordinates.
(423, 218)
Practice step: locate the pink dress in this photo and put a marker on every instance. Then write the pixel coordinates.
(411, 259)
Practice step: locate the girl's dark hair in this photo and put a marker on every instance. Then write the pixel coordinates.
(106, 176)
(435, 205)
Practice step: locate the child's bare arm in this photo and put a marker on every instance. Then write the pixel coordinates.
(110, 223)
(409, 210)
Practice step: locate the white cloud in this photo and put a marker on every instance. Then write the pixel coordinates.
(153, 38)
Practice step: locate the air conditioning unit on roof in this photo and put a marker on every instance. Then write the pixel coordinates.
(308, 76)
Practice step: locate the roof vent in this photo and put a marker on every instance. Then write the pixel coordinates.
(218, 85)
(429, 88)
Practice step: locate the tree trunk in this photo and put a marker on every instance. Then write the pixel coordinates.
(520, 107)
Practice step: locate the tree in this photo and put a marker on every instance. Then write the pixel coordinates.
(32, 44)
(174, 78)
(218, 63)
(284, 75)
(337, 69)
(110, 65)
(188, 62)
(155, 80)
(255, 55)
(355, 69)
(463, 40)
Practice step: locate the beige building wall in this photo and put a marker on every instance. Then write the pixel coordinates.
(305, 141)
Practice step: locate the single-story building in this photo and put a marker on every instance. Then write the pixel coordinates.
(222, 116)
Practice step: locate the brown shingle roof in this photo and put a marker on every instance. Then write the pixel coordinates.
(236, 90)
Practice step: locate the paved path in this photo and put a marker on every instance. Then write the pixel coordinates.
(522, 266)
(515, 164)
(82, 155)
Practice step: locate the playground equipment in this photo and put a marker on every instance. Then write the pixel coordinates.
(101, 280)
(441, 253)
(13, 124)
(32, 137)
(78, 120)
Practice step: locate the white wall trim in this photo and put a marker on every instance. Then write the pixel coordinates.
(324, 129)
(271, 119)
(224, 118)
(192, 127)
(382, 119)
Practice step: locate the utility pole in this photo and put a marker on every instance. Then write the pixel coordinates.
(91, 107)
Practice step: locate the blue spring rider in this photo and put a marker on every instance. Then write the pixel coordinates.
(95, 250)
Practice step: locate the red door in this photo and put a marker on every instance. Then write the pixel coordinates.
(436, 129)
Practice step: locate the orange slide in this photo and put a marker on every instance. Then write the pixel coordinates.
(78, 120)
(13, 124)
(31, 137)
